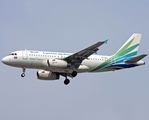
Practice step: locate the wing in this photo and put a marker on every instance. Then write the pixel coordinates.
(78, 57)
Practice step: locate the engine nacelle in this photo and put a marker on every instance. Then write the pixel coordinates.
(56, 63)
(47, 75)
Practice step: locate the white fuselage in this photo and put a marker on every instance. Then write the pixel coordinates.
(37, 60)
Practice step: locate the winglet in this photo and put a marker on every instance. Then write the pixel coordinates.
(106, 41)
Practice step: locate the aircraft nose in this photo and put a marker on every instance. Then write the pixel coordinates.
(5, 60)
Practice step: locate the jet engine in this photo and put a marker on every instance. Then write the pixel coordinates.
(55, 63)
(47, 75)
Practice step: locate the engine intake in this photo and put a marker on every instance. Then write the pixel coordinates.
(47, 75)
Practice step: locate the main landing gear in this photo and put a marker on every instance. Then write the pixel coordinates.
(23, 74)
(67, 81)
(74, 74)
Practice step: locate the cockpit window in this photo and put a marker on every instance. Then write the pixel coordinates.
(13, 54)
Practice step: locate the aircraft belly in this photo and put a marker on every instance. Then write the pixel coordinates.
(104, 70)
(31, 64)
(91, 64)
(82, 68)
(59, 70)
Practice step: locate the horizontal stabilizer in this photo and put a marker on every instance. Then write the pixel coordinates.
(136, 59)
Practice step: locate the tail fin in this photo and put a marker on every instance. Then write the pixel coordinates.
(130, 48)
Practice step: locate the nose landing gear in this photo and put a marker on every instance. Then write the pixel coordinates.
(23, 74)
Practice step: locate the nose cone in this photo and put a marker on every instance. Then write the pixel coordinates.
(5, 60)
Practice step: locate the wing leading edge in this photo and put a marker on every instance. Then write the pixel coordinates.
(78, 57)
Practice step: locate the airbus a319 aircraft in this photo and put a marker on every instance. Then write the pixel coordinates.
(56, 64)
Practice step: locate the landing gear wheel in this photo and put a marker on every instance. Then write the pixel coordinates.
(74, 74)
(23, 75)
(66, 81)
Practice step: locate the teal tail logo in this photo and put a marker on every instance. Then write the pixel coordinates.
(127, 51)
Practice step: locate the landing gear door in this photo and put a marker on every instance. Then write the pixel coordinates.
(24, 55)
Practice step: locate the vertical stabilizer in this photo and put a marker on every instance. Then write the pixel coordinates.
(130, 48)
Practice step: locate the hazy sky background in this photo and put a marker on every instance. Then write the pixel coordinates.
(70, 26)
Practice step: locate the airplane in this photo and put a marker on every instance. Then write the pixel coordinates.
(56, 64)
